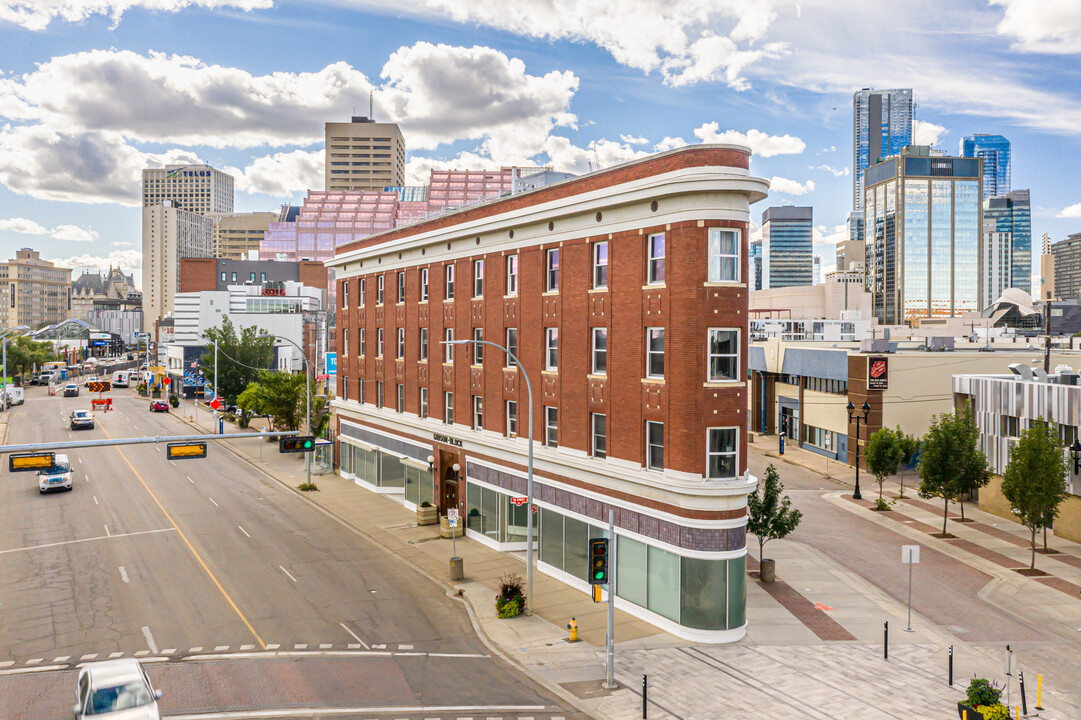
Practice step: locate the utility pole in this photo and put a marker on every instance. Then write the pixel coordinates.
(1047, 337)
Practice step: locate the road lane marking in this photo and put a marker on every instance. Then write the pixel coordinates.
(91, 656)
(35, 661)
(168, 651)
(326, 646)
(355, 636)
(80, 461)
(172, 463)
(405, 647)
(157, 448)
(107, 533)
(212, 500)
(190, 480)
(290, 577)
(198, 557)
(221, 648)
(35, 669)
(141, 653)
(90, 539)
(124, 574)
(300, 646)
(115, 655)
(149, 640)
(62, 658)
(243, 531)
(196, 649)
(246, 647)
(273, 646)
(95, 499)
(364, 711)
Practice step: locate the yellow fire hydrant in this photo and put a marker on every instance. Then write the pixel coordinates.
(573, 627)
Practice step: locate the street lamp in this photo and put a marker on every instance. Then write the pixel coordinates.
(20, 330)
(852, 415)
(216, 379)
(529, 474)
(307, 394)
(1075, 453)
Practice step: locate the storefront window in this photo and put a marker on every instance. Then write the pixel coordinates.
(737, 592)
(366, 465)
(418, 485)
(392, 472)
(576, 547)
(346, 460)
(631, 570)
(663, 582)
(551, 539)
(482, 510)
(705, 594)
(514, 519)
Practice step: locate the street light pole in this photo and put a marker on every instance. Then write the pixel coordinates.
(852, 415)
(529, 470)
(307, 397)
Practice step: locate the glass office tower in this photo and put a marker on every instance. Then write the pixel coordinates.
(994, 150)
(881, 126)
(755, 264)
(922, 220)
(787, 257)
(1012, 213)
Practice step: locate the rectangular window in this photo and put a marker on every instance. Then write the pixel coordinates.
(360, 384)
(448, 408)
(224, 277)
(512, 345)
(478, 412)
(379, 290)
(262, 277)
(553, 271)
(401, 287)
(478, 349)
(600, 265)
(234, 277)
(424, 284)
(600, 351)
(401, 343)
(478, 278)
(345, 341)
(345, 294)
(424, 402)
(723, 248)
(345, 389)
(656, 259)
(512, 418)
(551, 426)
(360, 343)
(551, 345)
(379, 393)
(251, 277)
(379, 342)
(654, 445)
(448, 283)
(655, 352)
(363, 286)
(723, 355)
(721, 453)
(424, 343)
(448, 352)
(512, 274)
(600, 436)
(401, 398)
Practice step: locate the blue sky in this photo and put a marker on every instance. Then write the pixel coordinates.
(92, 91)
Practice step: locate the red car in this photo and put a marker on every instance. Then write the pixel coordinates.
(159, 406)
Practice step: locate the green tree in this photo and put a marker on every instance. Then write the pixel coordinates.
(910, 445)
(769, 515)
(1035, 478)
(951, 462)
(24, 354)
(239, 358)
(883, 453)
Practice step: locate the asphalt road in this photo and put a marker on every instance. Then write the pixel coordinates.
(189, 559)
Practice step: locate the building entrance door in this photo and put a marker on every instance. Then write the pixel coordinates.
(450, 490)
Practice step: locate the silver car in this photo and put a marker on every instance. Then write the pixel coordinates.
(116, 689)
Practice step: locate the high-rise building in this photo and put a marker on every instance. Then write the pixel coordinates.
(236, 235)
(169, 234)
(1012, 213)
(1067, 278)
(854, 221)
(754, 265)
(923, 219)
(1045, 244)
(364, 155)
(817, 280)
(787, 257)
(997, 262)
(881, 126)
(994, 150)
(194, 188)
(35, 292)
(850, 255)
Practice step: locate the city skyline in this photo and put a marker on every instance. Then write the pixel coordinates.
(762, 74)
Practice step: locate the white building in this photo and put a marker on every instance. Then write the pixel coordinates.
(997, 263)
(195, 188)
(169, 234)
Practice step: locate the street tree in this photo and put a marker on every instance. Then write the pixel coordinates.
(24, 354)
(975, 472)
(951, 462)
(240, 358)
(1035, 479)
(883, 453)
(910, 446)
(769, 515)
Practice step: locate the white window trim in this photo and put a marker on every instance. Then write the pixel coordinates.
(708, 453)
(360, 292)
(379, 342)
(478, 349)
(478, 278)
(506, 427)
(649, 374)
(739, 243)
(649, 455)
(424, 285)
(548, 365)
(709, 356)
(593, 434)
(361, 347)
(448, 336)
(596, 265)
(401, 286)
(422, 410)
(547, 426)
(593, 351)
(400, 397)
(401, 343)
(510, 292)
(379, 289)
(548, 271)
(448, 407)
(423, 343)
(650, 280)
(506, 338)
(476, 425)
(345, 342)
(448, 282)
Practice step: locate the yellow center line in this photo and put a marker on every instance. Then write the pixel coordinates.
(193, 551)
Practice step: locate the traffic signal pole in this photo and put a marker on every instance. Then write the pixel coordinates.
(610, 665)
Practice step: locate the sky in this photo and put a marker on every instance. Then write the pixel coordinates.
(93, 91)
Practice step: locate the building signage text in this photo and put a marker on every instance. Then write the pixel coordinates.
(446, 439)
(877, 373)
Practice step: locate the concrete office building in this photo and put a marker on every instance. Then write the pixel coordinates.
(1067, 267)
(364, 155)
(604, 286)
(787, 247)
(193, 188)
(169, 234)
(994, 150)
(238, 235)
(33, 292)
(1012, 213)
(851, 255)
(881, 126)
(997, 263)
(924, 219)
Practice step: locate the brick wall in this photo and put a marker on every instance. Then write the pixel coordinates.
(198, 274)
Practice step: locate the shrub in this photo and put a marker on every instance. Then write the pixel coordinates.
(981, 691)
(307, 487)
(510, 586)
(509, 608)
(881, 504)
(425, 504)
(230, 417)
(998, 711)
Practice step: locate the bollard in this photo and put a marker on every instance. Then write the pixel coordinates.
(1039, 692)
(886, 640)
(645, 694)
(951, 665)
(1021, 682)
(1018, 708)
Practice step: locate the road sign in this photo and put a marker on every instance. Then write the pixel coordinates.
(185, 451)
(296, 444)
(215, 403)
(598, 559)
(99, 386)
(29, 462)
(517, 501)
(452, 517)
(166, 380)
(910, 554)
(332, 363)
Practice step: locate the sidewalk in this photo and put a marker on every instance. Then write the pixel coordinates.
(813, 647)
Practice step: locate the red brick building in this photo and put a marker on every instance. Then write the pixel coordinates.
(623, 294)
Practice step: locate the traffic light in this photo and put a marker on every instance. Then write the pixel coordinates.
(598, 561)
(296, 443)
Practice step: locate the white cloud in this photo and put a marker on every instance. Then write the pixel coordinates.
(823, 235)
(121, 243)
(713, 57)
(281, 174)
(1042, 26)
(785, 186)
(926, 133)
(632, 140)
(565, 156)
(123, 259)
(418, 169)
(836, 172)
(669, 143)
(1073, 211)
(37, 14)
(70, 233)
(760, 143)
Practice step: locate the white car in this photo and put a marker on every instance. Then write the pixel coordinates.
(58, 477)
(116, 689)
(92, 378)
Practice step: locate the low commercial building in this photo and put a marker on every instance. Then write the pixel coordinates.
(198, 274)
(1003, 405)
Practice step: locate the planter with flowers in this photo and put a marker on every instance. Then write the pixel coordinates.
(510, 602)
(983, 702)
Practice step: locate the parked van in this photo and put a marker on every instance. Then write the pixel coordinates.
(15, 396)
(58, 477)
(121, 378)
